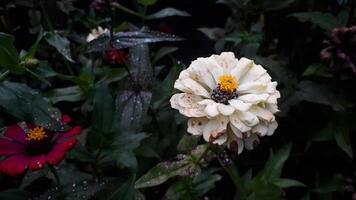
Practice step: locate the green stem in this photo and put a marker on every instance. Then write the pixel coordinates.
(46, 16)
(230, 167)
(127, 10)
(3, 75)
(54, 172)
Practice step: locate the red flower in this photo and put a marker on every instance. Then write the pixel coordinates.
(116, 56)
(27, 146)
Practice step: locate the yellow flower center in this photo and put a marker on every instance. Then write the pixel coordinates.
(227, 83)
(37, 133)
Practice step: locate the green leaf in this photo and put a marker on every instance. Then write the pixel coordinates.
(69, 94)
(342, 137)
(126, 191)
(274, 166)
(147, 2)
(193, 188)
(325, 21)
(60, 43)
(104, 110)
(9, 58)
(163, 52)
(168, 12)
(27, 104)
(132, 107)
(187, 143)
(13, 194)
(33, 49)
(122, 149)
(334, 184)
(286, 183)
(183, 165)
(317, 69)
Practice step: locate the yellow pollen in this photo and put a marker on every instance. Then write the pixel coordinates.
(227, 83)
(37, 133)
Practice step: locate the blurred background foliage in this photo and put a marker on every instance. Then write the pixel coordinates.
(134, 146)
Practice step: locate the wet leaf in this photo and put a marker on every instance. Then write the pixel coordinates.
(183, 165)
(27, 104)
(104, 110)
(60, 43)
(100, 44)
(168, 12)
(70, 94)
(130, 39)
(141, 68)
(132, 108)
(187, 143)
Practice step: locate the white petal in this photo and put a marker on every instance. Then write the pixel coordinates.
(195, 87)
(220, 140)
(273, 97)
(253, 74)
(271, 88)
(196, 125)
(188, 100)
(212, 109)
(253, 87)
(262, 113)
(199, 71)
(193, 110)
(242, 66)
(215, 128)
(225, 109)
(226, 60)
(250, 141)
(206, 102)
(272, 107)
(272, 127)
(237, 123)
(236, 131)
(253, 98)
(248, 118)
(260, 129)
(239, 105)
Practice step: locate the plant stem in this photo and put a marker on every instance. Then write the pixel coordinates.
(45, 15)
(54, 172)
(3, 75)
(230, 167)
(123, 8)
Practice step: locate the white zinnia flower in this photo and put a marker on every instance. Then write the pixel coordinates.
(95, 33)
(228, 100)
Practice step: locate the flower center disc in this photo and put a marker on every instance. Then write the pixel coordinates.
(36, 134)
(227, 83)
(226, 89)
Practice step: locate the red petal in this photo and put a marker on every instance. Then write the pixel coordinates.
(15, 132)
(55, 157)
(8, 147)
(65, 145)
(14, 165)
(37, 162)
(66, 119)
(73, 132)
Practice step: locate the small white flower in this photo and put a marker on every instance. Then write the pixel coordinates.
(228, 100)
(95, 33)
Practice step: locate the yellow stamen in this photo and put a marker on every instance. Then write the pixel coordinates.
(227, 83)
(37, 133)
